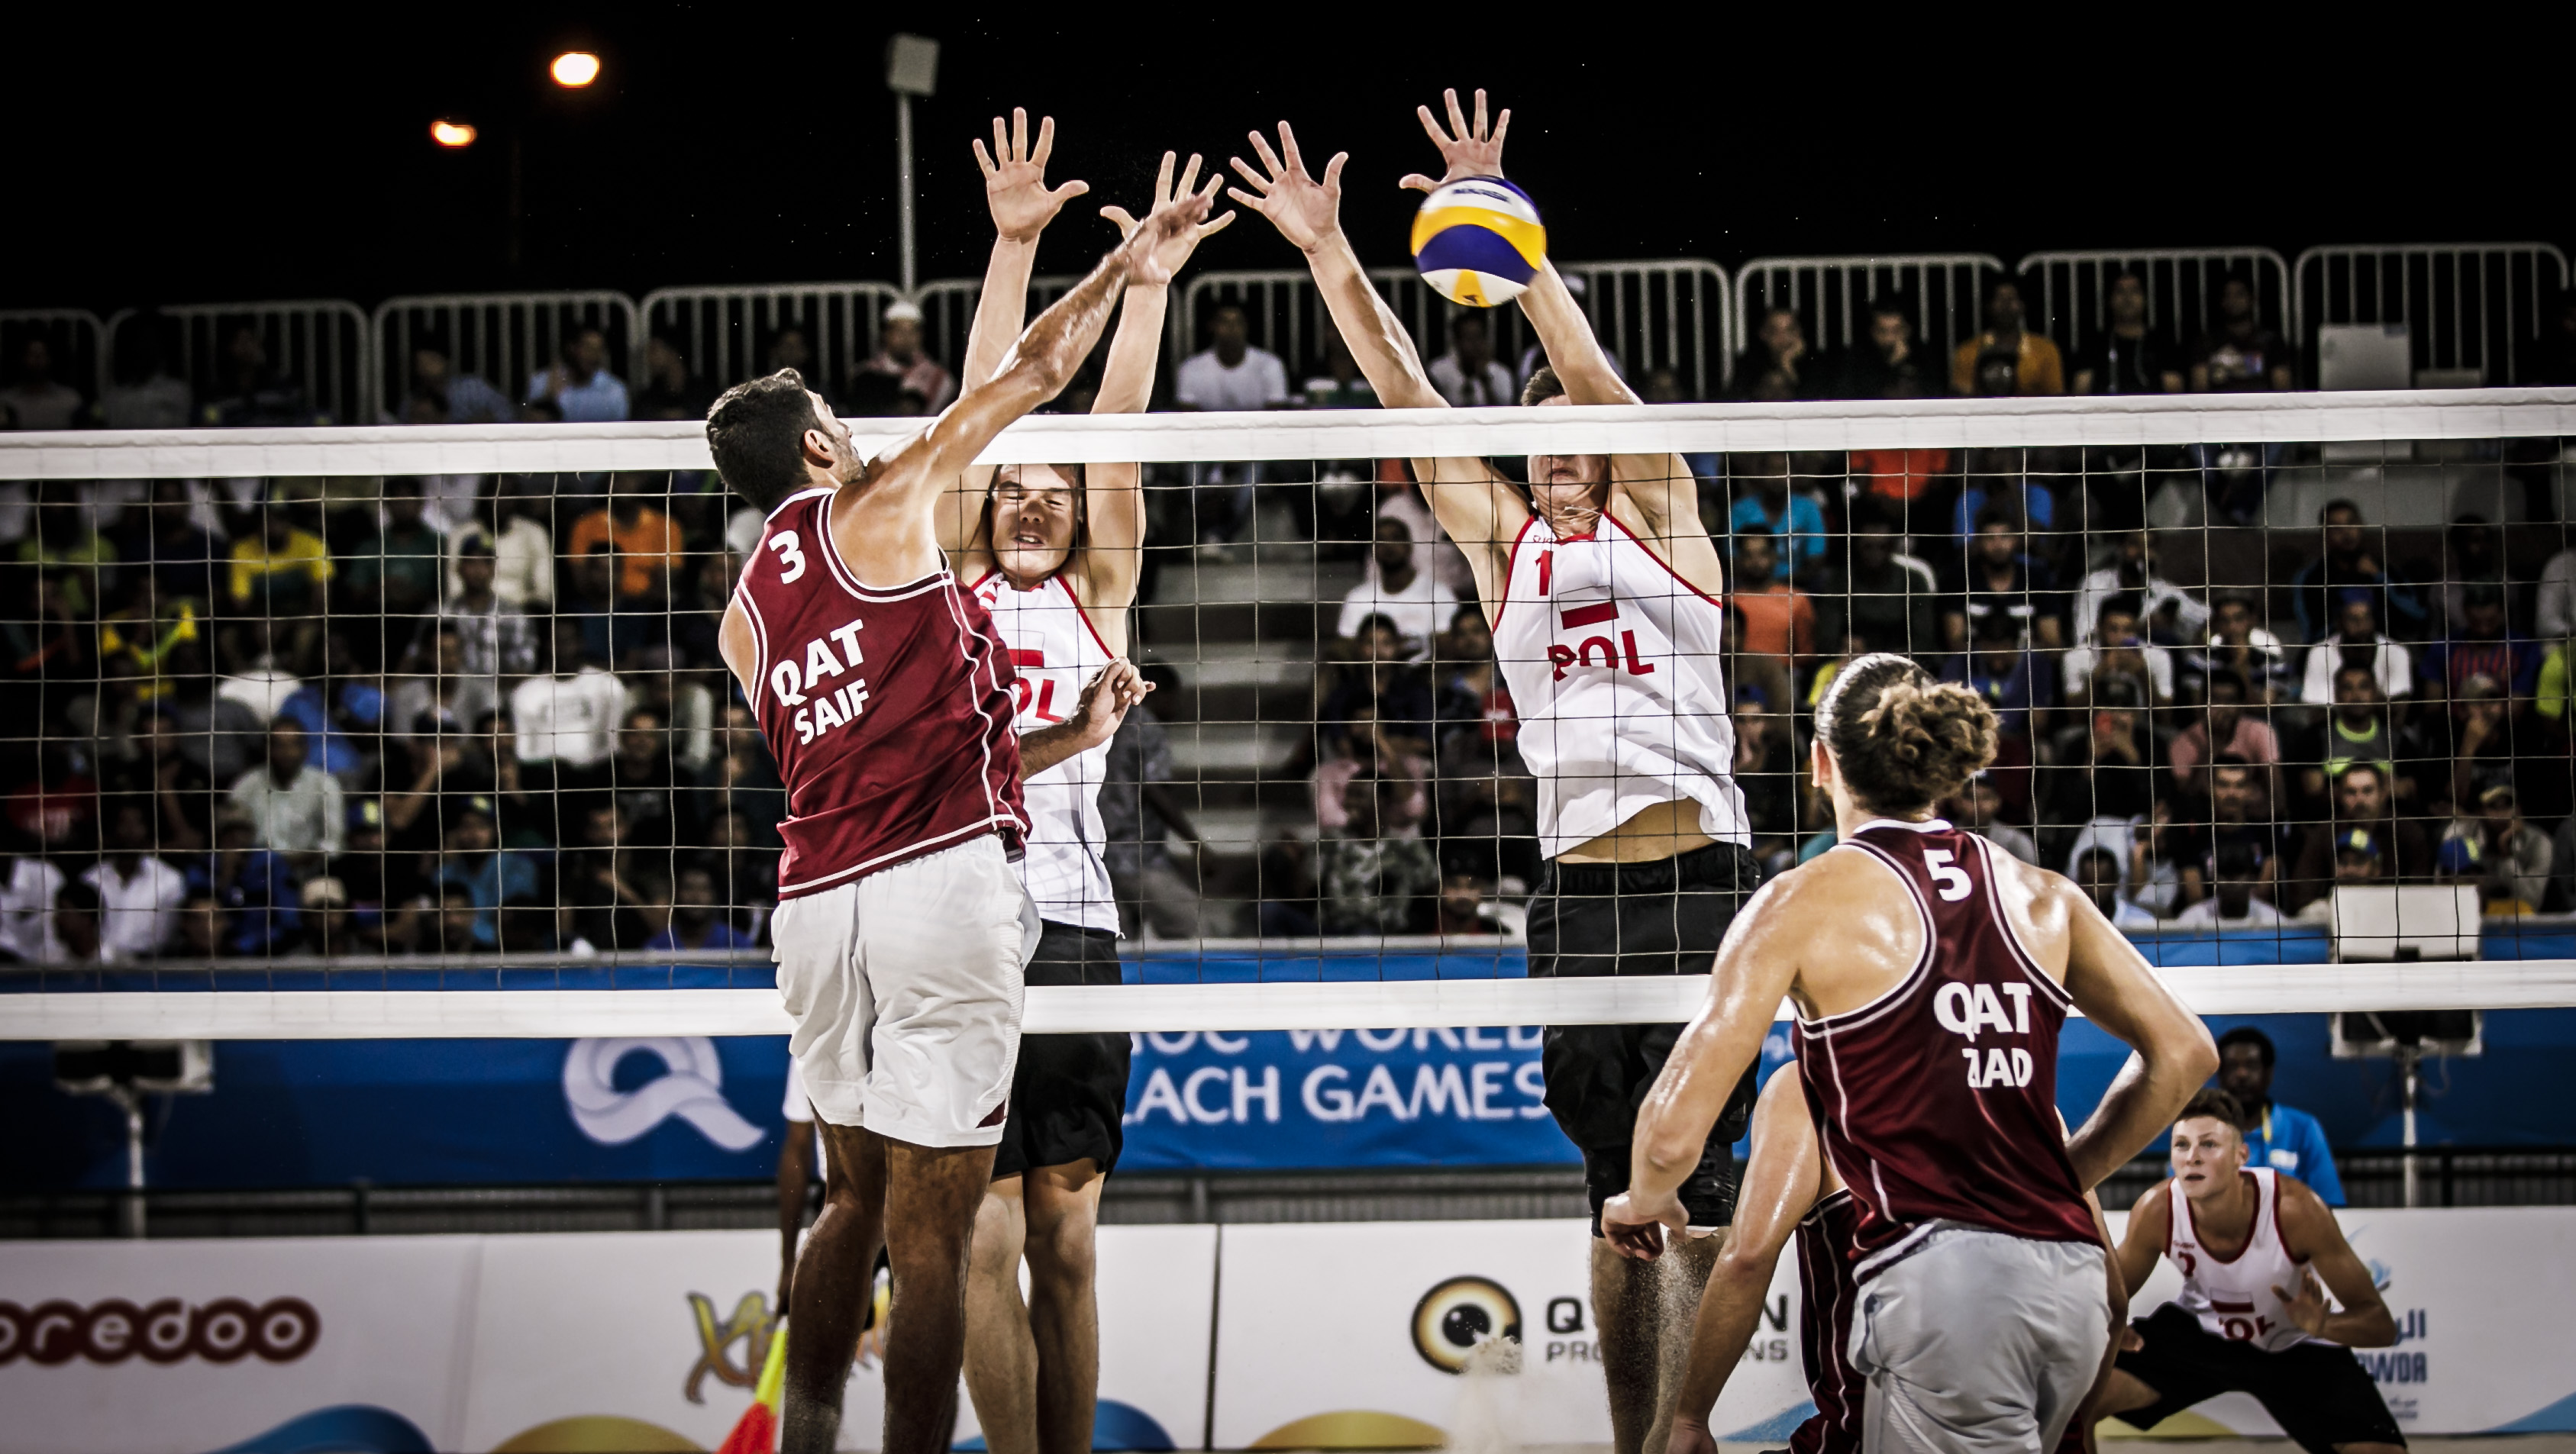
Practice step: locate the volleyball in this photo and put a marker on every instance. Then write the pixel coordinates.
(1478, 241)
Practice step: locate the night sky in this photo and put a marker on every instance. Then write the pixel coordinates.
(237, 157)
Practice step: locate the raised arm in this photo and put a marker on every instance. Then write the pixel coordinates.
(1659, 488)
(892, 497)
(1016, 192)
(1478, 507)
(1114, 494)
(1472, 148)
(2114, 987)
(1782, 1181)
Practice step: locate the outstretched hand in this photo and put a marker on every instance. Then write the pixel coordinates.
(1105, 700)
(2308, 1308)
(1175, 250)
(1635, 1227)
(1015, 187)
(1162, 228)
(1305, 211)
(1470, 151)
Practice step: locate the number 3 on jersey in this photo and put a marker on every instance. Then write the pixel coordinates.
(1952, 881)
(791, 556)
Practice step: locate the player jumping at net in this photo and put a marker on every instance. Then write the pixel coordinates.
(1603, 590)
(2251, 1246)
(902, 927)
(1930, 975)
(1054, 554)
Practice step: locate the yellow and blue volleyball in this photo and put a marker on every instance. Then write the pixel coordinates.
(1478, 241)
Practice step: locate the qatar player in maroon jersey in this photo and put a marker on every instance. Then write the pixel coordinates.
(902, 927)
(1790, 1191)
(1930, 976)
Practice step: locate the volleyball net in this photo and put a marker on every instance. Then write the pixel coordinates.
(421, 731)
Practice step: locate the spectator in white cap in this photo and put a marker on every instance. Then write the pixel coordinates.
(899, 358)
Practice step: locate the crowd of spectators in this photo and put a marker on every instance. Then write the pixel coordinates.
(453, 713)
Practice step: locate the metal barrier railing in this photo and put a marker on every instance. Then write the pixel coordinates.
(311, 364)
(1651, 315)
(2466, 306)
(1942, 291)
(74, 336)
(948, 313)
(2069, 293)
(725, 333)
(506, 338)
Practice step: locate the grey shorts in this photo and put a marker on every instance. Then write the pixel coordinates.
(1975, 1342)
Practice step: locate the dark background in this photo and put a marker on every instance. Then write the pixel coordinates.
(231, 155)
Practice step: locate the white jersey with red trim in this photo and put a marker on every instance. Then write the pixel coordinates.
(1613, 662)
(2232, 1296)
(1057, 652)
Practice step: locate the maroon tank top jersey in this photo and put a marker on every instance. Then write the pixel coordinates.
(1938, 1100)
(1827, 1294)
(888, 710)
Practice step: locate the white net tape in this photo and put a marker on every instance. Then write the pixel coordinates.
(1340, 434)
(1055, 1010)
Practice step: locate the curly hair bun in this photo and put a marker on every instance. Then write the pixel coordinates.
(1904, 740)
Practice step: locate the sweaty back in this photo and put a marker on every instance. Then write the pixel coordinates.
(1937, 1101)
(889, 711)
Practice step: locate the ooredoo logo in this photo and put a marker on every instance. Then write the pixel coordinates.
(113, 1330)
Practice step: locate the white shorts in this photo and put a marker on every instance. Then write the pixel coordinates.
(905, 988)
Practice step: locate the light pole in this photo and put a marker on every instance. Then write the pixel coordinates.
(912, 69)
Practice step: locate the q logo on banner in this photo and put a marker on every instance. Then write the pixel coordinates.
(692, 1090)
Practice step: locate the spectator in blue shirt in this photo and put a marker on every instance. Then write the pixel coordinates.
(490, 874)
(1793, 518)
(2288, 1141)
(2013, 499)
(580, 388)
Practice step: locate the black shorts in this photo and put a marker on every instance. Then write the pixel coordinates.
(1070, 1091)
(2318, 1393)
(1664, 917)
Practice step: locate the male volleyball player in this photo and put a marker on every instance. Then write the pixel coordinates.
(1603, 591)
(2251, 1245)
(1930, 975)
(1053, 552)
(1789, 1189)
(902, 927)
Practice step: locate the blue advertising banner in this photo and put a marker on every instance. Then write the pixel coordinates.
(1327, 1098)
(327, 1113)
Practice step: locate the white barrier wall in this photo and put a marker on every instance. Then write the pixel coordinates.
(1327, 1336)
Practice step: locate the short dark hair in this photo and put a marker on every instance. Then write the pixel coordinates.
(2211, 1103)
(2125, 603)
(2248, 1035)
(757, 433)
(1543, 385)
